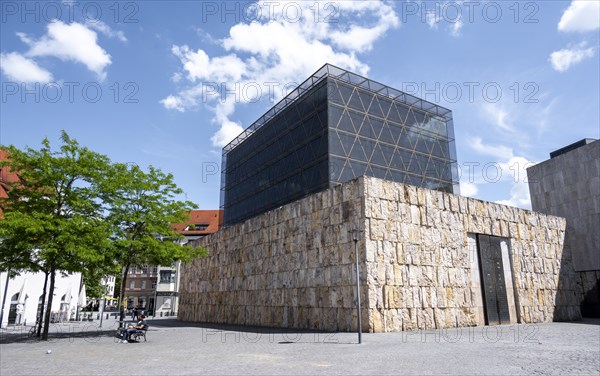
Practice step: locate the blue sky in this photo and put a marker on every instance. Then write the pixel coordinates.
(168, 83)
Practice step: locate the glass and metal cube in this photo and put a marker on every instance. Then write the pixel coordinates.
(335, 127)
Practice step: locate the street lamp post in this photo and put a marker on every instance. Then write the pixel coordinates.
(103, 300)
(355, 238)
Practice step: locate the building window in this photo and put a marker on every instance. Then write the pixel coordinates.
(145, 269)
(143, 284)
(167, 276)
(197, 227)
(131, 284)
(133, 270)
(154, 270)
(153, 284)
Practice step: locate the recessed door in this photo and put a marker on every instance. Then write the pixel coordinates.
(492, 277)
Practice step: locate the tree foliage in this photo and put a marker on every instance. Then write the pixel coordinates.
(73, 210)
(52, 217)
(142, 207)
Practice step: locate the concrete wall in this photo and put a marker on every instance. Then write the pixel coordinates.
(569, 186)
(293, 266)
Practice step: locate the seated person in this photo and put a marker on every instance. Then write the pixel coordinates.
(131, 329)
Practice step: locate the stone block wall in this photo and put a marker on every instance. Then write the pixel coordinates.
(293, 267)
(421, 271)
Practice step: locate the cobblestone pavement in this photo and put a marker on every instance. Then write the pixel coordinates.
(178, 348)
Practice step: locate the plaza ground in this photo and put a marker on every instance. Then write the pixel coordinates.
(178, 348)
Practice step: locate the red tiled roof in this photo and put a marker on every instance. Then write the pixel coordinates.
(6, 175)
(212, 218)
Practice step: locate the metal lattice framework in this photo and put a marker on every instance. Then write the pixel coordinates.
(332, 128)
(329, 70)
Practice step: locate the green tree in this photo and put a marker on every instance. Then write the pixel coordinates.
(54, 212)
(142, 208)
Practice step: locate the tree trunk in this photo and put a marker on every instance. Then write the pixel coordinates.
(43, 310)
(121, 296)
(49, 307)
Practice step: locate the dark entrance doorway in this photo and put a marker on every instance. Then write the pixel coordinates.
(493, 284)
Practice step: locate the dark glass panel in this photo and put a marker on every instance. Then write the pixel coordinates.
(347, 174)
(379, 172)
(345, 123)
(376, 125)
(366, 130)
(355, 102)
(377, 157)
(396, 176)
(366, 99)
(375, 109)
(332, 92)
(347, 142)
(358, 152)
(357, 119)
(358, 168)
(401, 111)
(386, 106)
(368, 146)
(404, 140)
(345, 92)
(388, 151)
(386, 134)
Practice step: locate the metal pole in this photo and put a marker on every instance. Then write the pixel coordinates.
(4, 297)
(357, 285)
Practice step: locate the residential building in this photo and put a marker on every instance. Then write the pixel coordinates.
(568, 185)
(27, 290)
(140, 286)
(160, 284)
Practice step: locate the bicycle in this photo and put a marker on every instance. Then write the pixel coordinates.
(33, 331)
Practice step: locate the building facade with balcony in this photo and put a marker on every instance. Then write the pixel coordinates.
(155, 289)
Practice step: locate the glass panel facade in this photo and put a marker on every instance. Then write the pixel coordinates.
(373, 135)
(280, 162)
(335, 127)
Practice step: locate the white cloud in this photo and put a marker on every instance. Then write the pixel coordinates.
(456, 27)
(499, 115)
(508, 167)
(581, 16)
(433, 19)
(499, 151)
(21, 69)
(73, 42)
(173, 103)
(228, 131)
(276, 51)
(106, 30)
(516, 169)
(563, 59)
(468, 189)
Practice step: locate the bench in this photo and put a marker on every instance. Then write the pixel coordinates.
(136, 336)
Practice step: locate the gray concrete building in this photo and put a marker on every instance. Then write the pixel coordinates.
(568, 185)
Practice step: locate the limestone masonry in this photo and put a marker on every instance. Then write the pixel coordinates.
(292, 267)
